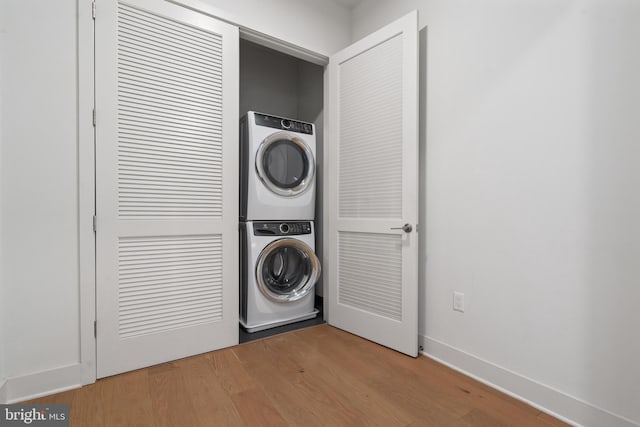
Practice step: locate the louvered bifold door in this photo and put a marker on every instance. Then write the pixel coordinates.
(371, 193)
(166, 184)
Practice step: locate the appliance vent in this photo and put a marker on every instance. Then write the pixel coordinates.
(370, 273)
(370, 152)
(167, 283)
(169, 128)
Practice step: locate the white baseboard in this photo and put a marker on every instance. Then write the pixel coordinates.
(18, 389)
(3, 390)
(556, 403)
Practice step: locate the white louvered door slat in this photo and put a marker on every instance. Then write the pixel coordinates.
(372, 187)
(166, 180)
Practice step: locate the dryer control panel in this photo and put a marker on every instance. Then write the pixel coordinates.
(280, 228)
(283, 124)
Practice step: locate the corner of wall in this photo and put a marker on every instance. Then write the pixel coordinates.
(533, 393)
(3, 378)
(2, 298)
(62, 94)
(40, 384)
(3, 391)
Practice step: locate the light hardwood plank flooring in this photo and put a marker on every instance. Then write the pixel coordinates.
(319, 376)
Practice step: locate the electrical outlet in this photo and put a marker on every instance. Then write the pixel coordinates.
(458, 301)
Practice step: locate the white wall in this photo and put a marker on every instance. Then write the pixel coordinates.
(319, 26)
(38, 218)
(532, 203)
(2, 297)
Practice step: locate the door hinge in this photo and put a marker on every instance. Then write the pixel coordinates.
(93, 10)
(95, 329)
(94, 223)
(93, 115)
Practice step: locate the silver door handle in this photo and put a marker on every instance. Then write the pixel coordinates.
(407, 228)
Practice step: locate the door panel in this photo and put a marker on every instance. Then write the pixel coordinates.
(370, 126)
(166, 184)
(372, 187)
(368, 255)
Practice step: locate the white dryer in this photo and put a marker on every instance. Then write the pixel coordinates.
(279, 270)
(277, 161)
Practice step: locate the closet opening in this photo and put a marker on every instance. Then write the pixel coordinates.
(285, 93)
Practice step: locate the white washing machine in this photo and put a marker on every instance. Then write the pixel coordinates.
(279, 270)
(277, 161)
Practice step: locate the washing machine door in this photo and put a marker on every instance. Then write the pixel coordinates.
(286, 270)
(285, 164)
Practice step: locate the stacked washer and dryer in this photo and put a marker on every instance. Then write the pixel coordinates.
(279, 267)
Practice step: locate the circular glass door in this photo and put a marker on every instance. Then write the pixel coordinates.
(286, 270)
(285, 164)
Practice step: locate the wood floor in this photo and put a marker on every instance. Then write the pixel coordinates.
(319, 376)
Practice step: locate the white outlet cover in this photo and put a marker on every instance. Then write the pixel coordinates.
(458, 301)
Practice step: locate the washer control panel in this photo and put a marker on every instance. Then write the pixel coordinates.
(281, 228)
(283, 124)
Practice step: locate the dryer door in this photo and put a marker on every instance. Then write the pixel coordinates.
(285, 164)
(286, 270)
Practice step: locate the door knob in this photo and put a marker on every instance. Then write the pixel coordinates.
(407, 228)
